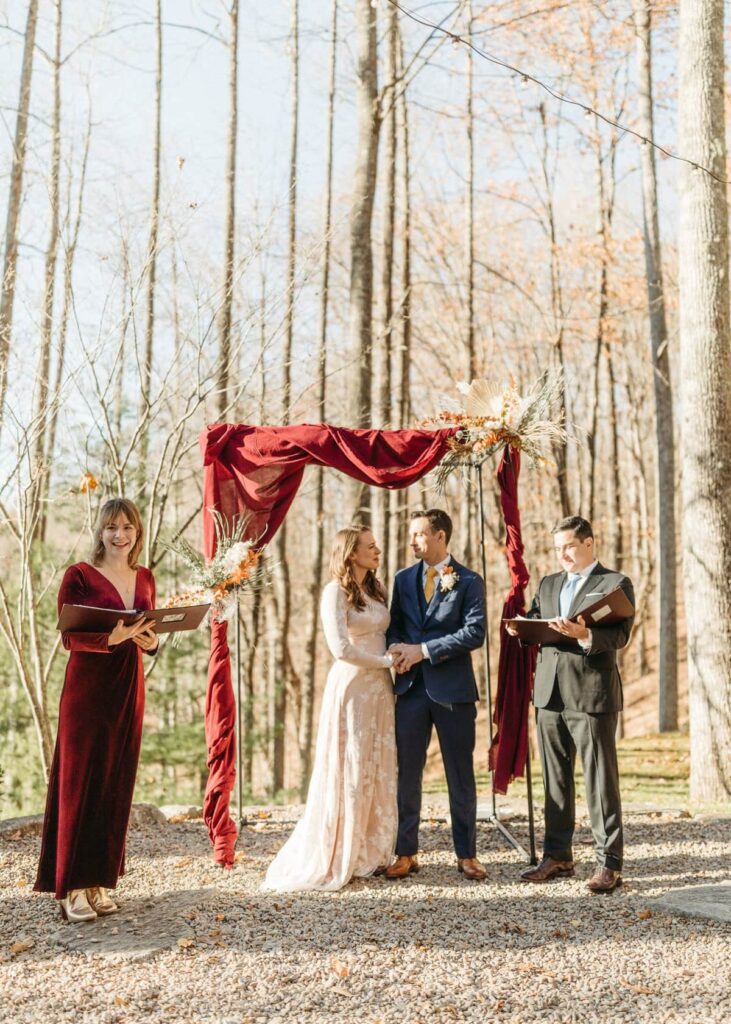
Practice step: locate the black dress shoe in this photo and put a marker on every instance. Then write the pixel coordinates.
(548, 869)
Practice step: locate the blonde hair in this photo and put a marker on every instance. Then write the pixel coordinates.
(108, 513)
(341, 568)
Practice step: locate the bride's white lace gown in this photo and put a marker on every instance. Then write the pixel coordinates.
(348, 827)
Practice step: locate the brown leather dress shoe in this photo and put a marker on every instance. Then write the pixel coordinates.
(548, 869)
(604, 880)
(470, 867)
(402, 867)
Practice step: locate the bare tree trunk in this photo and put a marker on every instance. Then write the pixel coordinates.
(68, 271)
(705, 348)
(404, 407)
(229, 255)
(364, 187)
(614, 476)
(472, 531)
(664, 421)
(49, 287)
(310, 671)
(7, 295)
(152, 248)
(283, 669)
(383, 501)
(558, 312)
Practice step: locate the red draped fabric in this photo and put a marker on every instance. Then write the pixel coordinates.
(256, 472)
(516, 665)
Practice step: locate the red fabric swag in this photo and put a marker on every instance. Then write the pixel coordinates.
(517, 664)
(256, 472)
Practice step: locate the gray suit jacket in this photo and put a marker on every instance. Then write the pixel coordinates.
(589, 681)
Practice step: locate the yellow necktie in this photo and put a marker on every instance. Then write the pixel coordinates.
(431, 572)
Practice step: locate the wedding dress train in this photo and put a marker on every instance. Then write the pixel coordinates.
(348, 827)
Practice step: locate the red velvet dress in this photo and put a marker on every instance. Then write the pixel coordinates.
(97, 746)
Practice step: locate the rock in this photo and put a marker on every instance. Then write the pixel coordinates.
(181, 812)
(146, 814)
(14, 828)
(709, 901)
(141, 929)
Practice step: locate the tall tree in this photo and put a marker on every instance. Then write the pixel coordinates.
(49, 285)
(12, 217)
(705, 355)
(284, 672)
(310, 668)
(664, 420)
(229, 252)
(364, 188)
(151, 268)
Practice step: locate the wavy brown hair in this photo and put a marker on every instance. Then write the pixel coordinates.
(109, 512)
(341, 568)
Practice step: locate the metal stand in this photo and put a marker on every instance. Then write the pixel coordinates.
(493, 817)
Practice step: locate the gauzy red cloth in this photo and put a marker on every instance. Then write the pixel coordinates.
(97, 746)
(516, 666)
(255, 472)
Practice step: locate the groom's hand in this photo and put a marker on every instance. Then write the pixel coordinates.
(405, 656)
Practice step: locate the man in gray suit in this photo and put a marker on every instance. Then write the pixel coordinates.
(578, 695)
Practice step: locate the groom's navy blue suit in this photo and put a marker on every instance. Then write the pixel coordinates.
(439, 691)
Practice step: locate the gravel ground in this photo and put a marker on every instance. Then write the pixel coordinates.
(434, 948)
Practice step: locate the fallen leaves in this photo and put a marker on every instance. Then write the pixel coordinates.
(185, 943)
(184, 862)
(339, 967)
(119, 1001)
(21, 946)
(641, 990)
(644, 915)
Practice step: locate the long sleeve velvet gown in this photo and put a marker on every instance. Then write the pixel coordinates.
(97, 746)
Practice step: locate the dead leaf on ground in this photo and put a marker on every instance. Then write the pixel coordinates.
(184, 862)
(22, 946)
(220, 917)
(119, 1001)
(263, 814)
(238, 856)
(21, 881)
(644, 915)
(641, 990)
(185, 943)
(559, 933)
(340, 968)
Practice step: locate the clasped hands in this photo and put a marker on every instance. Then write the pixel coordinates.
(405, 656)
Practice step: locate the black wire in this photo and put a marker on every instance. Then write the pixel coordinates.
(527, 77)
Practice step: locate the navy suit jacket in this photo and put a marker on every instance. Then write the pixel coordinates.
(451, 626)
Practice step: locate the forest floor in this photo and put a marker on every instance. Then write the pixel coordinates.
(196, 945)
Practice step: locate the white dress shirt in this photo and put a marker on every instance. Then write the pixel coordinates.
(584, 573)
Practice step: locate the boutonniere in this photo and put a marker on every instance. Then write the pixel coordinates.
(449, 579)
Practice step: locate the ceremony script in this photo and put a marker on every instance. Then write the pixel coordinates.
(610, 609)
(81, 618)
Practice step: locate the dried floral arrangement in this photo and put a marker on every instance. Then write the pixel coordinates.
(234, 568)
(492, 416)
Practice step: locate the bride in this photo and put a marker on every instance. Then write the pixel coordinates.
(348, 828)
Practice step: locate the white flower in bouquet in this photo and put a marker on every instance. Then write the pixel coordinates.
(235, 555)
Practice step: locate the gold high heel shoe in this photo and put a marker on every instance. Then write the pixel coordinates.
(75, 907)
(101, 901)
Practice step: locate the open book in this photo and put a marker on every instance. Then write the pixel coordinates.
(81, 618)
(610, 609)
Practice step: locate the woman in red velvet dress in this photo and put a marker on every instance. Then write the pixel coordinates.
(100, 723)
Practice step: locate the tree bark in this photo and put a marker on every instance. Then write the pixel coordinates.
(364, 187)
(310, 670)
(7, 294)
(705, 352)
(664, 421)
(404, 405)
(229, 254)
(151, 268)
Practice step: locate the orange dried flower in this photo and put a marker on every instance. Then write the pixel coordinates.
(87, 483)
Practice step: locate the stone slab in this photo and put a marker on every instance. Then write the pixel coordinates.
(14, 828)
(710, 901)
(142, 928)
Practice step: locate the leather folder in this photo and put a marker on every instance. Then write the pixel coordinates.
(81, 618)
(610, 609)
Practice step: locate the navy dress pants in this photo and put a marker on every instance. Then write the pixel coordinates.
(416, 713)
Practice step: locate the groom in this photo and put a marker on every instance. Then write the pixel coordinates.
(437, 619)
